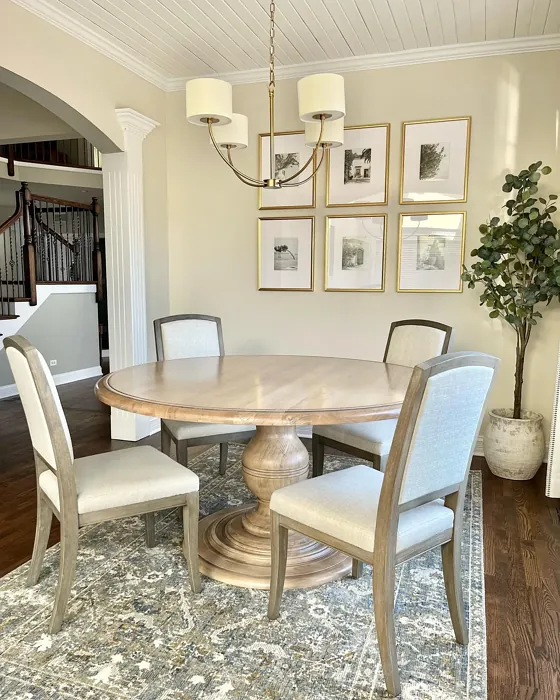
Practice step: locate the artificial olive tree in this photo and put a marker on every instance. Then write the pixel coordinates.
(518, 262)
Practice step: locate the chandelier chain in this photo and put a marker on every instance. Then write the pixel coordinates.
(272, 79)
(272, 181)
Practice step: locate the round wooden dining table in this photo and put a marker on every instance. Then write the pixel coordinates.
(276, 393)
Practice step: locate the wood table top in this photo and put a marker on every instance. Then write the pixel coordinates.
(260, 389)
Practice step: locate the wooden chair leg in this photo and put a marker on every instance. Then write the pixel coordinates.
(279, 554)
(150, 529)
(376, 461)
(42, 532)
(384, 611)
(318, 453)
(223, 457)
(183, 452)
(190, 542)
(68, 558)
(357, 568)
(165, 442)
(451, 560)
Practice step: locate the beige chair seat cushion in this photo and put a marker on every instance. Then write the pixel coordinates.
(375, 437)
(344, 504)
(123, 478)
(185, 430)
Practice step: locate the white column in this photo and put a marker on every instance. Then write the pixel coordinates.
(126, 278)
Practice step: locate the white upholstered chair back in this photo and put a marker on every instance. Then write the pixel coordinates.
(413, 342)
(451, 395)
(40, 400)
(191, 335)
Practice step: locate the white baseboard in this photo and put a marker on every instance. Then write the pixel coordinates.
(479, 449)
(63, 378)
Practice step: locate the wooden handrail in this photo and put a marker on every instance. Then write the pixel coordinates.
(63, 202)
(50, 231)
(15, 216)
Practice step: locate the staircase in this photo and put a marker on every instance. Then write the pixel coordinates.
(47, 241)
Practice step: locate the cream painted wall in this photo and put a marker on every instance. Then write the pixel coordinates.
(514, 105)
(93, 86)
(22, 119)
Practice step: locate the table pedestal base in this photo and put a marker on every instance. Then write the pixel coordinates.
(231, 554)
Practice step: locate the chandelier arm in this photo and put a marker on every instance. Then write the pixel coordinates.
(245, 178)
(302, 182)
(313, 154)
(259, 183)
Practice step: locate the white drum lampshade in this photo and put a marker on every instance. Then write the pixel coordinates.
(209, 98)
(321, 94)
(333, 133)
(234, 134)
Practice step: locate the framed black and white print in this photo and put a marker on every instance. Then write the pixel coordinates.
(290, 155)
(435, 161)
(431, 252)
(358, 171)
(355, 253)
(286, 247)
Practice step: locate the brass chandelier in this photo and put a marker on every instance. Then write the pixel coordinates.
(321, 108)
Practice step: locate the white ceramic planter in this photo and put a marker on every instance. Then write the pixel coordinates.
(514, 448)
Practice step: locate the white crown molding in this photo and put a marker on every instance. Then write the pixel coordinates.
(155, 75)
(56, 17)
(135, 122)
(410, 57)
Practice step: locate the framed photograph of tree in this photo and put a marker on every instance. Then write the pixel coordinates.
(431, 251)
(435, 161)
(286, 247)
(358, 171)
(290, 155)
(355, 253)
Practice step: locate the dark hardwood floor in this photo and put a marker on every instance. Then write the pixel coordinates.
(521, 546)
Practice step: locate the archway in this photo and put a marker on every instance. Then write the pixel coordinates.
(81, 124)
(124, 230)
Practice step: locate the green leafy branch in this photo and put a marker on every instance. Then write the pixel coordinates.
(518, 262)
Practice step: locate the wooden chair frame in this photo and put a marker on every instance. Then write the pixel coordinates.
(221, 438)
(70, 519)
(167, 438)
(319, 442)
(384, 557)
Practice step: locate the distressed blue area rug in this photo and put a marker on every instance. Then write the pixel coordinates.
(133, 630)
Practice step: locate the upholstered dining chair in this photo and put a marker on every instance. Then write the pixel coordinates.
(91, 489)
(194, 335)
(409, 343)
(416, 505)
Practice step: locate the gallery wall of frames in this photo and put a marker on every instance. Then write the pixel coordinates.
(431, 242)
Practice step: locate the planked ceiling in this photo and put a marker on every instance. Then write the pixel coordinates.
(169, 40)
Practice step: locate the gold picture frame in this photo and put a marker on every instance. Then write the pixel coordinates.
(407, 201)
(385, 201)
(460, 259)
(328, 250)
(313, 180)
(261, 286)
